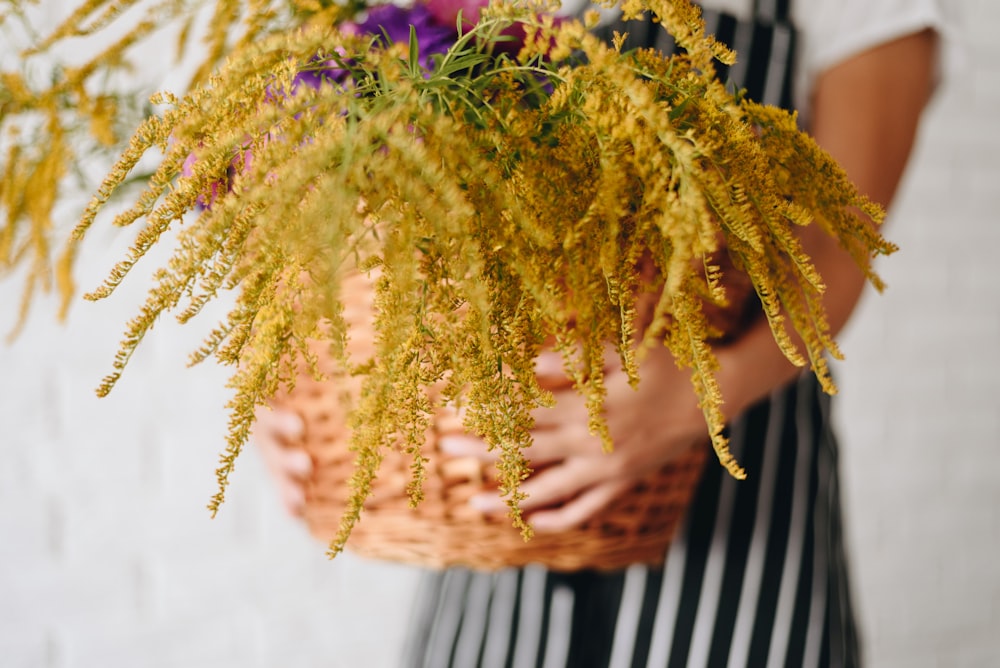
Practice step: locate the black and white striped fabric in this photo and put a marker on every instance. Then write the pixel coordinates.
(757, 575)
(765, 46)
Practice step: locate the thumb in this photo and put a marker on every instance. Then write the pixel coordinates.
(280, 423)
(288, 423)
(550, 371)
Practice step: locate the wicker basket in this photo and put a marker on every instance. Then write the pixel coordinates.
(443, 530)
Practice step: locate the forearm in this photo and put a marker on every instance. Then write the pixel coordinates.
(753, 365)
(865, 113)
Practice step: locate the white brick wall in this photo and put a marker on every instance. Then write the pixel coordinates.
(108, 558)
(920, 411)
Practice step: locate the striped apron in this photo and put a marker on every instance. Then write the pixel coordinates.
(756, 576)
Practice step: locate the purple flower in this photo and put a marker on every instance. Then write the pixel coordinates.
(433, 24)
(433, 37)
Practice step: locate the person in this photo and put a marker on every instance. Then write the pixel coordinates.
(758, 573)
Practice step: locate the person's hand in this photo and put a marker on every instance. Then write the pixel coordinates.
(649, 425)
(275, 433)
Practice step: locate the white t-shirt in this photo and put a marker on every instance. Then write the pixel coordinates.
(831, 31)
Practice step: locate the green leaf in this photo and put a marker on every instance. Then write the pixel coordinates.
(414, 51)
(448, 67)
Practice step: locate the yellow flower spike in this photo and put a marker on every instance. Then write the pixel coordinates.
(500, 204)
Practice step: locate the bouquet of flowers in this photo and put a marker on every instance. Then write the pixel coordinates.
(508, 181)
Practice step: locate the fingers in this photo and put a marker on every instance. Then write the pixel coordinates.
(293, 496)
(569, 408)
(289, 468)
(277, 425)
(562, 482)
(574, 513)
(550, 372)
(462, 445)
(560, 498)
(275, 434)
(548, 445)
(561, 441)
(449, 420)
(292, 463)
(554, 485)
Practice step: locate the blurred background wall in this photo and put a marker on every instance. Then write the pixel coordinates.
(920, 411)
(108, 557)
